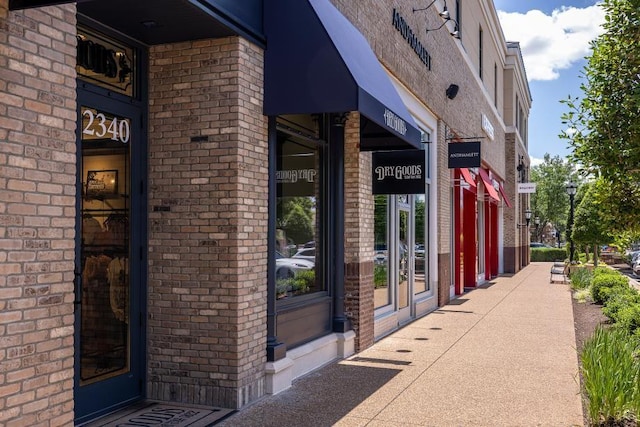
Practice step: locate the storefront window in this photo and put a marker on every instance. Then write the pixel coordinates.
(299, 222)
(382, 295)
(421, 245)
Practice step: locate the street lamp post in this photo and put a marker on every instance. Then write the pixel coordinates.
(536, 221)
(572, 188)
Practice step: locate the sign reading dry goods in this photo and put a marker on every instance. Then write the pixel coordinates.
(398, 172)
(297, 176)
(105, 62)
(464, 155)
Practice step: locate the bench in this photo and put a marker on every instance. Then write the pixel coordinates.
(559, 269)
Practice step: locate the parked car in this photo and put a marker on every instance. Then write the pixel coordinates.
(636, 267)
(538, 245)
(288, 267)
(307, 253)
(633, 256)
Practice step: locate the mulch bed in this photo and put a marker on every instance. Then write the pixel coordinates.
(587, 316)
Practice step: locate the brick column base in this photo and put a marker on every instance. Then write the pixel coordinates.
(358, 301)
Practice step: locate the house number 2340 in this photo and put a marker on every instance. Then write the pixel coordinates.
(96, 124)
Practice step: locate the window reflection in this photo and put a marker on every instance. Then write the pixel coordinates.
(299, 222)
(420, 251)
(382, 291)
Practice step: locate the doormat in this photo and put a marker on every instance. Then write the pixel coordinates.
(160, 414)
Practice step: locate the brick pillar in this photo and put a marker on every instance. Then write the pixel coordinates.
(445, 227)
(37, 214)
(208, 253)
(511, 230)
(358, 242)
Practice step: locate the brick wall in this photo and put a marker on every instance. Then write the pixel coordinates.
(37, 215)
(511, 230)
(208, 251)
(464, 113)
(358, 200)
(445, 227)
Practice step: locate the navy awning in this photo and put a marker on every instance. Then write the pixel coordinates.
(316, 61)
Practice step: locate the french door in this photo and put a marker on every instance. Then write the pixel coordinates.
(109, 353)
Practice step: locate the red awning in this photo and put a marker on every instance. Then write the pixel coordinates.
(487, 184)
(466, 175)
(504, 196)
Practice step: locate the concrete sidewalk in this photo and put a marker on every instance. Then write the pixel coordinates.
(501, 355)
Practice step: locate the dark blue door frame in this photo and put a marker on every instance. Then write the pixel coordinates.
(107, 393)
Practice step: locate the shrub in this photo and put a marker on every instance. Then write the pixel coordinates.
(380, 276)
(605, 271)
(603, 285)
(611, 376)
(547, 254)
(308, 277)
(620, 300)
(580, 278)
(628, 318)
(582, 295)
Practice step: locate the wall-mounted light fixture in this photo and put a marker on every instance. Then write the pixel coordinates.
(452, 91)
(444, 15)
(522, 169)
(527, 217)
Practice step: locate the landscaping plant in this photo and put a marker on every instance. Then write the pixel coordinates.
(604, 284)
(580, 278)
(611, 372)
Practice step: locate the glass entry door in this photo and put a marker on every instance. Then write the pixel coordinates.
(404, 257)
(108, 337)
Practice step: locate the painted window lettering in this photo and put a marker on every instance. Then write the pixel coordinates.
(100, 125)
(294, 175)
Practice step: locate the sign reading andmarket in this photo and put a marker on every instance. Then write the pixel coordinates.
(464, 154)
(410, 36)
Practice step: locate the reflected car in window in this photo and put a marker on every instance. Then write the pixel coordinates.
(288, 267)
(308, 253)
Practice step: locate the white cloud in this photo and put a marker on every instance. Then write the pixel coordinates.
(534, 161)
(551, 43)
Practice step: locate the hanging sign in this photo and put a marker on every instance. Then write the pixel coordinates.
(398, 172)
(464, 155)
(526, 187)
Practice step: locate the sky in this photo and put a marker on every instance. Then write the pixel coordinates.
(554, 37)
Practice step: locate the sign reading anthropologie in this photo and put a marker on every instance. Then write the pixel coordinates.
(398, 172)
(464, 155)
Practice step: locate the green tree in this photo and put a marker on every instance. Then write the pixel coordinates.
(604, 124)
(591, 227)
(298, 224)
(295, 218)
(380, 219)
(550, 202)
